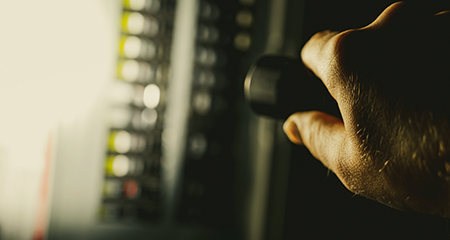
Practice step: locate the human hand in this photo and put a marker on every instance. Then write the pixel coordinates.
(388, 78)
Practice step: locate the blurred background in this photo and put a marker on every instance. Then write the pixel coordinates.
(125, 119)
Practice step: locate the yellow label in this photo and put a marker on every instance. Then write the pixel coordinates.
(123, 39)
(124, 21)
(109, 165)
(119, 69)
(111, 140)
(126, 4)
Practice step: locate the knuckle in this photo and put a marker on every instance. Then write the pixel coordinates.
(351, 179)
(349, 41)
(352, 170)
(354, 48)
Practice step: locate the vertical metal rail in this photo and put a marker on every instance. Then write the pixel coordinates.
(263, 128)
(178, 102)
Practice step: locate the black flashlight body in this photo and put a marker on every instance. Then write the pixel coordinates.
(279, 86)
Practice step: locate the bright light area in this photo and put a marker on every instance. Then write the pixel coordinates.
(121, 165)
(56, 58)
(152, 95)
(152, 6)
(137, 5)
(132, 47)
(121, 141)
(130, 70)
(121, 92)
(135, 23)
(120, 117)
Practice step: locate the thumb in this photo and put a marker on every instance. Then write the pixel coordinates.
(324, 135)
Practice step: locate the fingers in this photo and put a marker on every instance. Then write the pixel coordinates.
(325, 137)
(318, 55)
(322, 134)
(395, 14)
(321, 54)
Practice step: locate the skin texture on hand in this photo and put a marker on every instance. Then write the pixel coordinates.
(388, 79)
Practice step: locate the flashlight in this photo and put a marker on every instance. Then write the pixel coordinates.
(278, 86)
